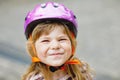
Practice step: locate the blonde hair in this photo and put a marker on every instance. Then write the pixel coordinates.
(75, 71)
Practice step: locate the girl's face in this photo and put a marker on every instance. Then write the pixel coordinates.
(54, 49)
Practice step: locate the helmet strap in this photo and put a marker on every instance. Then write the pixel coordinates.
(62, 67)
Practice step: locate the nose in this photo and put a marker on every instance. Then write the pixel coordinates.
(55, 45)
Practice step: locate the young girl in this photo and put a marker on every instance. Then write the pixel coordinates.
(51, 31)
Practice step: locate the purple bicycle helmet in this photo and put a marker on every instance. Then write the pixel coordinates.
(50, 11)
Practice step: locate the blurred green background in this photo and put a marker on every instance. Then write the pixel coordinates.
(98, 36)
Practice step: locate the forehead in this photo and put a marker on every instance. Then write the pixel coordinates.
(50, 28)
(55, 32)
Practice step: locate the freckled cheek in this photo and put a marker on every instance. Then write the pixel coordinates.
(68, 48)
(41, 55)
(41, 51)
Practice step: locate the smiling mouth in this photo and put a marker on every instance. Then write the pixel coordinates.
(55, 54)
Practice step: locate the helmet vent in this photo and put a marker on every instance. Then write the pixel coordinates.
(74, 16)
(25, 18)
(43, 5)
(56, 5)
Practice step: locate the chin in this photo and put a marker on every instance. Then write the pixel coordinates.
(57, 64)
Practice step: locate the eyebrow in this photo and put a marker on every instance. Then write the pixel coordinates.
(45, 37)
(63, 36)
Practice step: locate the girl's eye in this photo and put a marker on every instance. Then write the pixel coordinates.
(45, 41)
(62, 39)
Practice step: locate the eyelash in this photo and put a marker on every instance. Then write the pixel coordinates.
(45, 41)
(62, 39)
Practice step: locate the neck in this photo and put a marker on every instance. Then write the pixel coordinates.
(58, 74)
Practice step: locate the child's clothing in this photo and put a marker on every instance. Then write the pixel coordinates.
(83, 69)
(39, 77)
